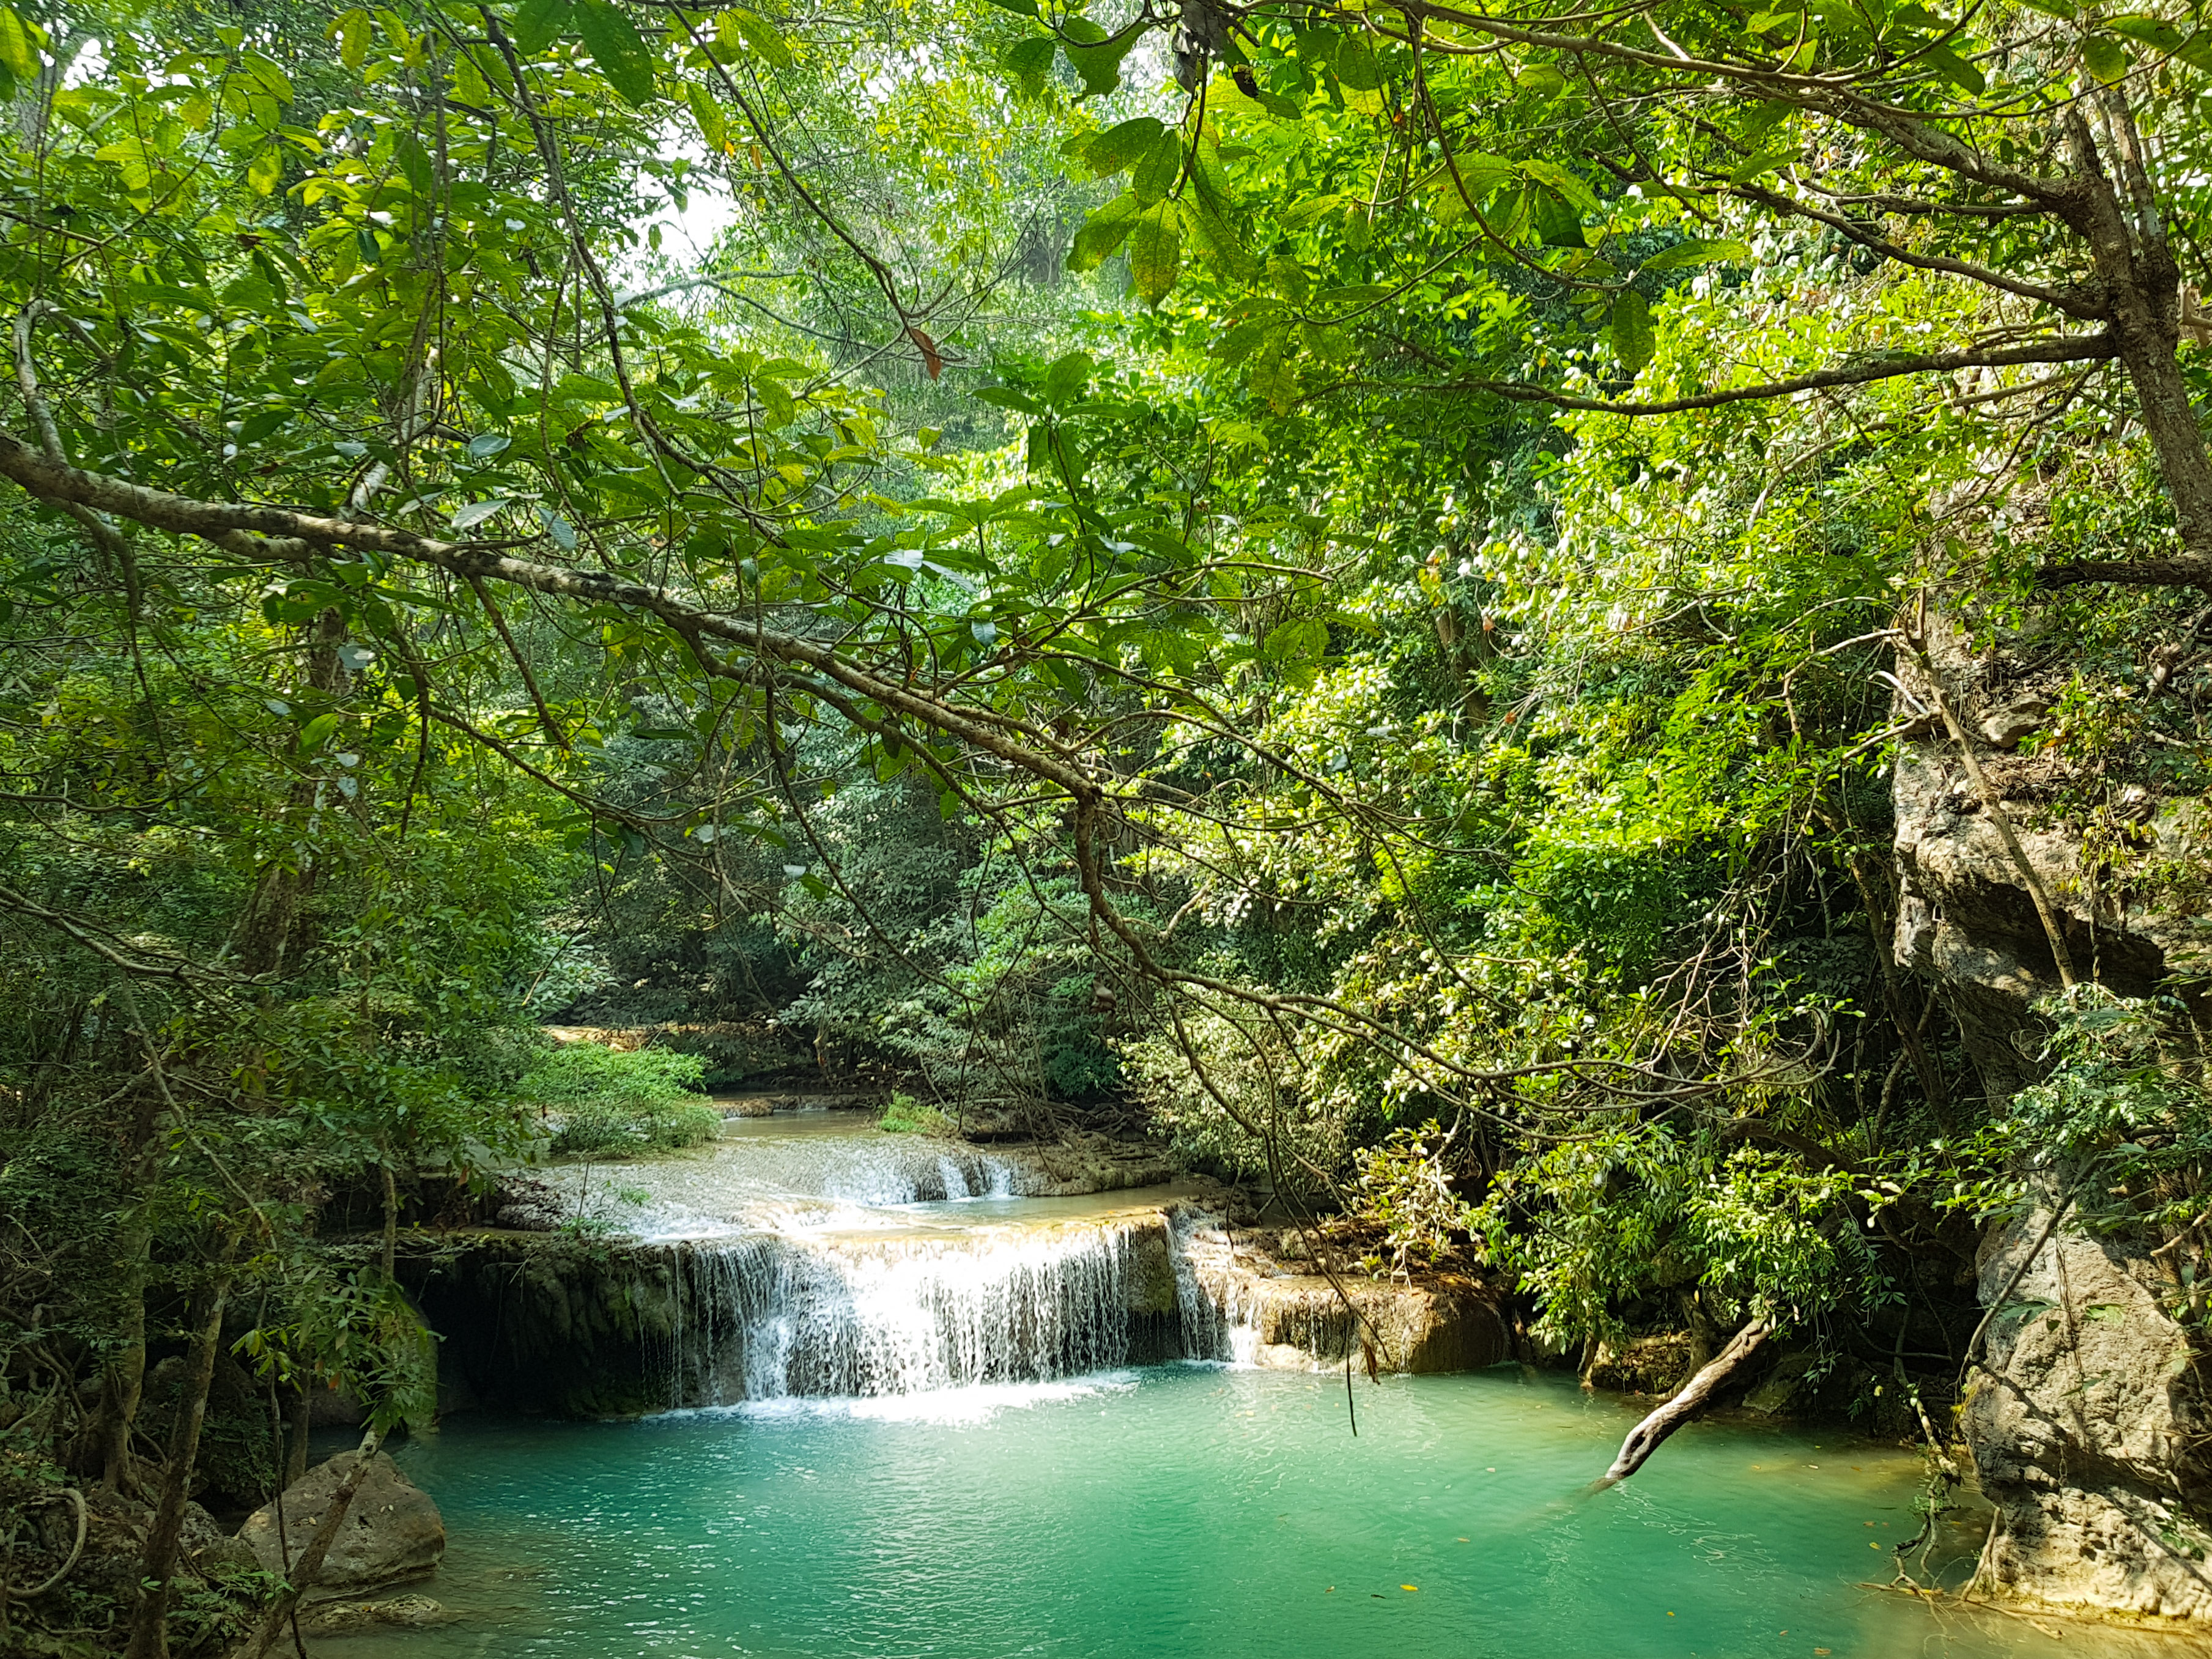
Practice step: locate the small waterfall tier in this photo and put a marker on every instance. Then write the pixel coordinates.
(857, 1314)
(787, 1310)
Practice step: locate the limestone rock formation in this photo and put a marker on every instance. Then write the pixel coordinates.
(2088, 1425)
(392, 1532)
(2084, 1426)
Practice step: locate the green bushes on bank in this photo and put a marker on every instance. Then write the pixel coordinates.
(609, 1100)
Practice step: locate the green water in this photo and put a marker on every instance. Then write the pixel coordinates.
(1185, 1512)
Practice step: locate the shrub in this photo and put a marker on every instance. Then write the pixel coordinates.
(609, 1100)
(906, 1116)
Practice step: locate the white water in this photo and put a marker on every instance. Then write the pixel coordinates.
(833, 1263)
(775, 1316)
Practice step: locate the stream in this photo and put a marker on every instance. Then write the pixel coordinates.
(931, 1442)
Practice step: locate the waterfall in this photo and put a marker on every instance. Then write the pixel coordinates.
(772, 1315)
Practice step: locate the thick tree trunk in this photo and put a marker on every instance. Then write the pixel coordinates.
(304, 1571)
(150, 1637)
(1645, 1437)
(2141, 279)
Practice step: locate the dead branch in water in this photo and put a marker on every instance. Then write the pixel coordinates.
(1645, 1437)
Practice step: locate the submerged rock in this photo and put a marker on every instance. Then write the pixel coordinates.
(399, 1612)
(392, 1532)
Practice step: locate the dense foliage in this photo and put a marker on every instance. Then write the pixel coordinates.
(1349, 579)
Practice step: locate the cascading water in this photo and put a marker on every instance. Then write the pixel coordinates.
(773, 1315)
(833, 1260)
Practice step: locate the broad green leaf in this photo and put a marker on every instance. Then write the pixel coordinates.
(1764, 162)
(1762, 120)
(1956, 70)
(352, 32)
(1099, 62)
(1157, 174)
(2153, 32)
(265, 171)
(709, 115)
(1558, 223)
(2105, 58)
(1357, 65)
(469, 517)
(18, 52)
(1030, 62)
(1155, 251)
(1102, 232)
(1218, 239)
(616, 48)
(1067, 374)
(316, 733)
(485, 444)
(414, 162)
(1120, 147)
(760, 40)
(1697, 251)
(1542, 80)
(1630, 329)
(1563, 184)
(539, 23)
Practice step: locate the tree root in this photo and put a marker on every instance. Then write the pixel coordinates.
(84, 1520)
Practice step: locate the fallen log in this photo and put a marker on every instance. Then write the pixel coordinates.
(1645, 1437)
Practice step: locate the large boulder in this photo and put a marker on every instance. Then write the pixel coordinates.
(392, 1531)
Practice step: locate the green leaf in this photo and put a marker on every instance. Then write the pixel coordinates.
(1563, 184)
(316, 733)
(1558, 224)
(265, 171)
(615, 46)
(18, 52)
(1161, 165)
(1630, 327)
(760, 40)
(1155, 251)
(1030, 62)
(2153, 32)
(1102, 232)
(539, 23)
(1762, 120)
(1697, 251)
(1019, 8)
(1067, 375)
(414, 162)
(1956, 70)
(469, 517)
(1219, 241)
(713, 127)
(2105, 58)
(352, 33)
(1119, 146)
(1542, 80)
(485, 444)
(1297, 647)
(1357, 65)
(1099, 62)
